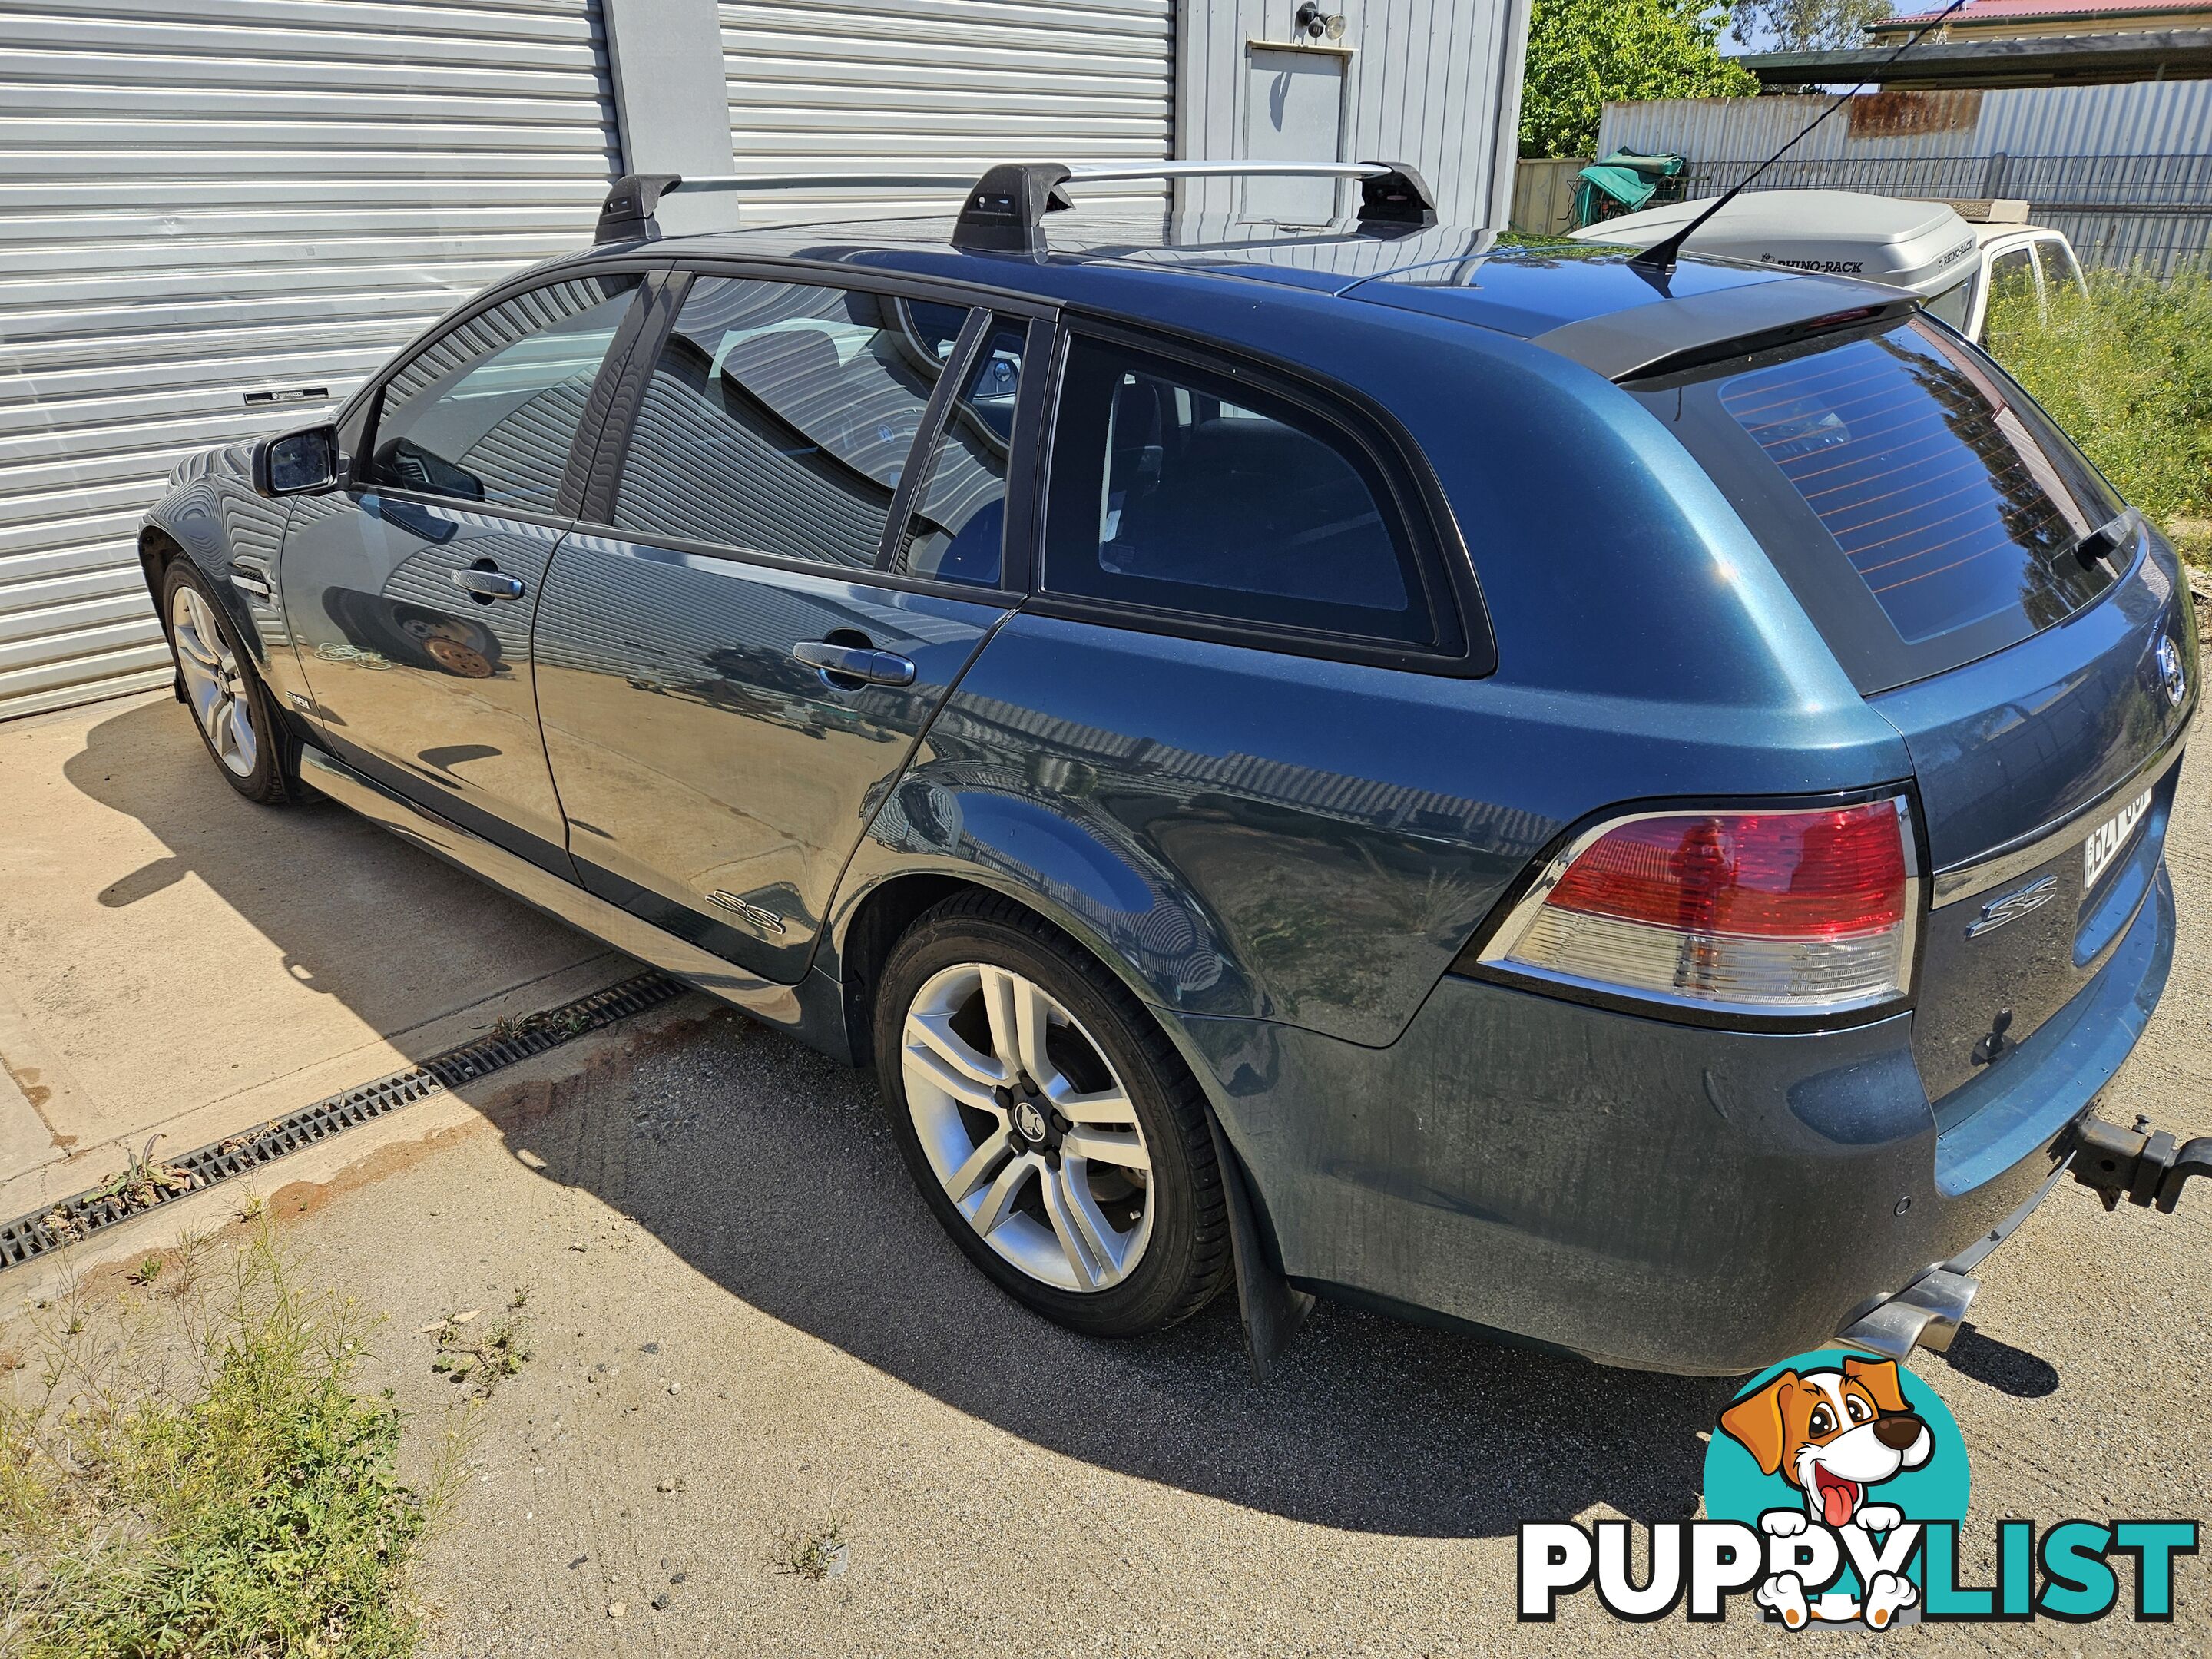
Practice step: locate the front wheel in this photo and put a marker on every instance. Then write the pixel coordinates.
(254, 750)
(1051, 1127)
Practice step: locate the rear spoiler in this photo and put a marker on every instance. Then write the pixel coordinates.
(1672, 336)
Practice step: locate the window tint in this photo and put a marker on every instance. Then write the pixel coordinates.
(1947, 492)
(959, 522)
(1174, 489)
(780, 417)
(488, 413)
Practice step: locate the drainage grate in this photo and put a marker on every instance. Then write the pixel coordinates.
(73, 1219)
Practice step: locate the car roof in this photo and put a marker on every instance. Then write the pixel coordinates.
(1532, 288)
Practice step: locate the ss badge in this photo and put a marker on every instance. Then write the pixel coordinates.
(2013, 906)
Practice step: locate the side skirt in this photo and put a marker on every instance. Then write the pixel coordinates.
(811, 1013)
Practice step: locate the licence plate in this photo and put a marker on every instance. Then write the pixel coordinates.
(2110, 839)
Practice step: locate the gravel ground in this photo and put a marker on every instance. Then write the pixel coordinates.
(747, 1329)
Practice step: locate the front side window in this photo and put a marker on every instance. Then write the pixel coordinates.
(487, 413)
(1179, 490)
(780, 417)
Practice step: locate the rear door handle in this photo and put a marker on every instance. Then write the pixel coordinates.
(489, 584)
(854, 662)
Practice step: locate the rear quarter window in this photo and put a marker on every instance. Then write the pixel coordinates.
(1177, 490)
(1922, 506)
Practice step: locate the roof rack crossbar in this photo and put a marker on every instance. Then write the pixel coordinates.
(1005, 210)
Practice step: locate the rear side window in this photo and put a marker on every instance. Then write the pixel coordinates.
(957, 530)
(1949, 518)
(1180, 491)
(780, 417)
(487, 412)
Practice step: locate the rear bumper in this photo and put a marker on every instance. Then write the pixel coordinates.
(1647, 1194)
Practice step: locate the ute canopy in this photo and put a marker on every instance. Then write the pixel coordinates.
(1924, 246)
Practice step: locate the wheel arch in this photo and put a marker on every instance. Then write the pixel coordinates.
(873, 912)
(867, 926)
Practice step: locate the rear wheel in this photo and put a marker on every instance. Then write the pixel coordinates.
(252, 747)
(1053, 1129)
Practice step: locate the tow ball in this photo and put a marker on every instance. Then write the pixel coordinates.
(2145, 1166)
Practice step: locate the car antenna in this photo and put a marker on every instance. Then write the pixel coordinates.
(1659, 258)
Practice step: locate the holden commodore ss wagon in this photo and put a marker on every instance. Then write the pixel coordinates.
(1620, 807)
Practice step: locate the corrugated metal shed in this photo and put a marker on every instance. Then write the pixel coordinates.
(855, 85)
(201, 200)
(1433, 82)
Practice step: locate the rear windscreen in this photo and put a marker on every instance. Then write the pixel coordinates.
(1921, 505)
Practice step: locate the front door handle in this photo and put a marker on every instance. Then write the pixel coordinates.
(489, 584)
(858, 665)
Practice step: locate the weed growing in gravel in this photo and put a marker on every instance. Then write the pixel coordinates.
(481, 1361)
(814, 1555)
(196, 1477)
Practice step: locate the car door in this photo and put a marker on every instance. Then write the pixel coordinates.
(787, 560)
(411, 592)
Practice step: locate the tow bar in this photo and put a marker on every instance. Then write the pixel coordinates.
(2145, 1166)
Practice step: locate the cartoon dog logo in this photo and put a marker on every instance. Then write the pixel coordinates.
(1833, 1434)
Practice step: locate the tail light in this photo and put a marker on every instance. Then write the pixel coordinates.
(1787, 912)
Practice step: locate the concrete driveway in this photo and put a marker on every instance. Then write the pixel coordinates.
(746, 1327)
(174, 960)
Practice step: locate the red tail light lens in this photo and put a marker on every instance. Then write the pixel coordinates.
(1772, 911)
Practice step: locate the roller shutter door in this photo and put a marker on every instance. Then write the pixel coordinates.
(206, 201)
(855, 85)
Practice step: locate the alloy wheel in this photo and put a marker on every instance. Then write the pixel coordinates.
(1026, 1124)
(215, 682)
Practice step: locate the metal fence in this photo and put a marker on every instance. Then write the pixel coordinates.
(2124, 170)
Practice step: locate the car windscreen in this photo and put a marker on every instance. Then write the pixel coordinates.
(1921, 506)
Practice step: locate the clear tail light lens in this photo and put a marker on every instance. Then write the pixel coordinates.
(1766, 912)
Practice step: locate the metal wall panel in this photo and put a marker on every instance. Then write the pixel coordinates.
(204, 198)
(858, 85)
(1433, 82)
(2125, 171)
(2144, 117)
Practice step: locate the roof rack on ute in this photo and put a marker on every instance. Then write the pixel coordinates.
(1006, 208)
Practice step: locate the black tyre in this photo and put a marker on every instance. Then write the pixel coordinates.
(252, 747)
(1049, 1122)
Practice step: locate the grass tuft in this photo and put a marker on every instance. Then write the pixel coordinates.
(2128, 372)
(814, 1555)
(240, 1501)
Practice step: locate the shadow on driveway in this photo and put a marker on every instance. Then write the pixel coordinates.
(770, 1170)
(387, 931)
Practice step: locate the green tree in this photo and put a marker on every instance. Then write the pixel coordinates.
(1806, 25)
(1584, 53)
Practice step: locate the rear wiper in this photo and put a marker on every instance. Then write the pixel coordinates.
(2107, 539)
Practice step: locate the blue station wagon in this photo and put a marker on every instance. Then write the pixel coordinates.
(1621, 806)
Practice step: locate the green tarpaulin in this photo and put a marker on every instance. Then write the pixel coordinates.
(1623, 182)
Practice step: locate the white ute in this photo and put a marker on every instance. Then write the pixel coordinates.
(1929, 247)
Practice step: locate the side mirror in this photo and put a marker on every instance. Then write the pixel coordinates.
(297, 464)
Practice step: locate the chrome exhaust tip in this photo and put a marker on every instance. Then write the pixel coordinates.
(1925, 1314)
